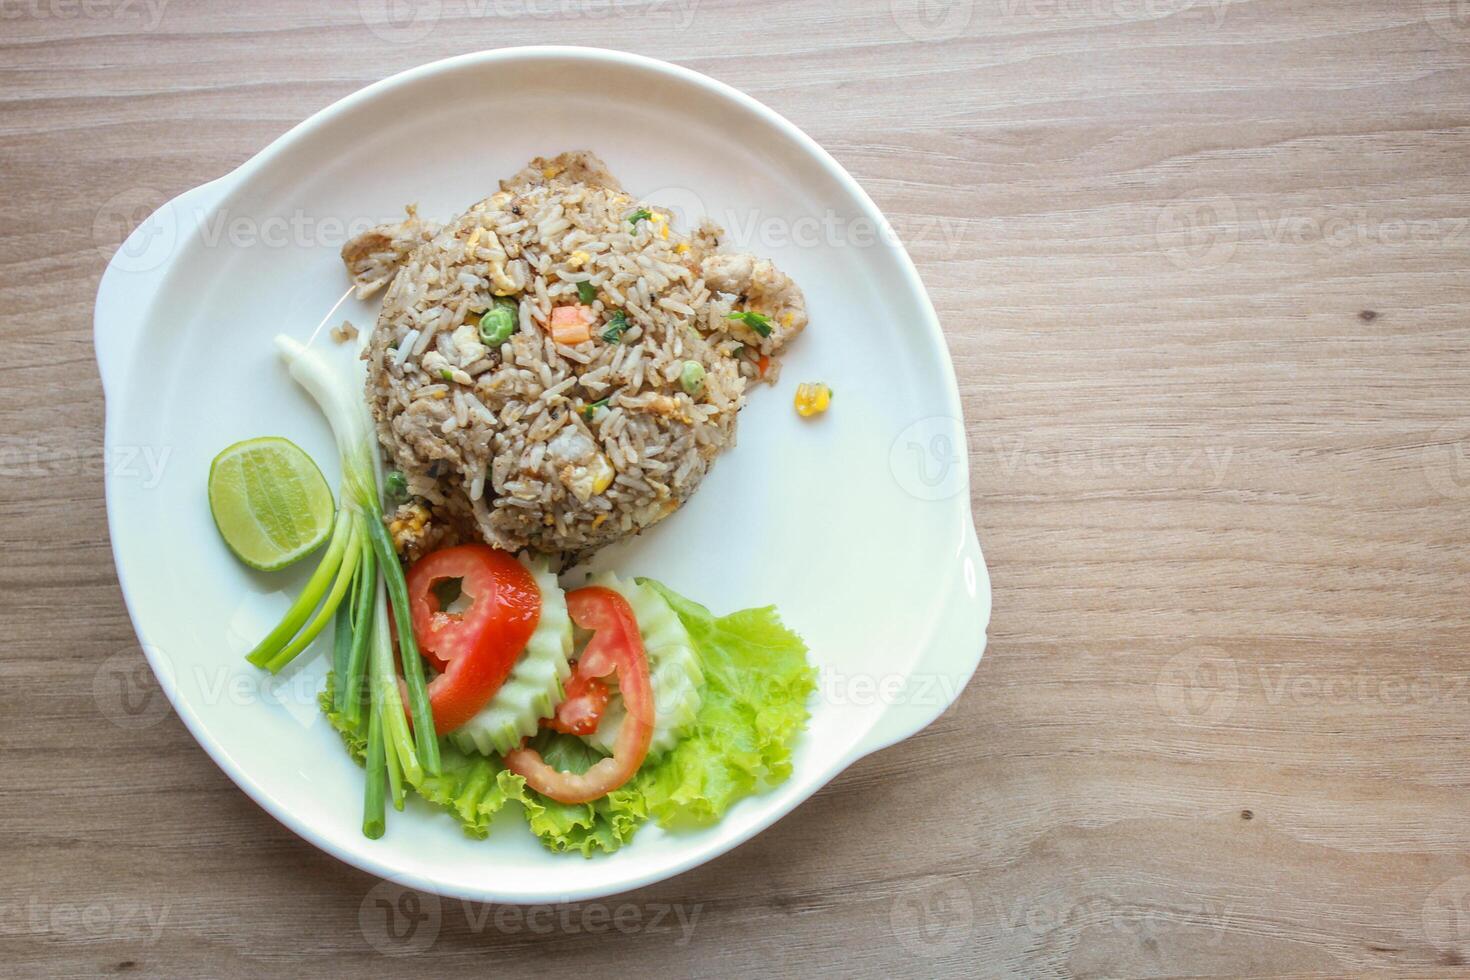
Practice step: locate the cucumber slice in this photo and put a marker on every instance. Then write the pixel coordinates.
(534, 687)
(673, 667)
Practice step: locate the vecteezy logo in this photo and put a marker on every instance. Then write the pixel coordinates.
(1447, 461)
(930, 459)
(1198, 234)
(684, 203)
(1446, 914)
(397, 920)
(400, 21)
(141, 224)
(1158, 9)
(932, 20)
(1198, 687)
(1450, 19)
(127, 692)
(934, 921)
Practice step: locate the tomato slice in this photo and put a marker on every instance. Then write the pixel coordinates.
(476, 647)
(580, 712)
(615, 646)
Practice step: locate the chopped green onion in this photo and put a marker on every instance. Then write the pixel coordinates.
(413, 662)
(447, 374)
(350, 685)
(642, 214)
(374, 816)
(691, 377)
(586, 292)
(758, 322)
(498, 323)
(395, 772)
(347, 570)
(617, 325)
(316, 587)
(589, 411)
(395, 487)
(342, 641)
(383, 688)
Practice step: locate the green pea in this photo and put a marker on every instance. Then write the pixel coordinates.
(691, 377)
(498, 323)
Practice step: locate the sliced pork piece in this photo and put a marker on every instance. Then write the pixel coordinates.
(373, 258)
(762, 288)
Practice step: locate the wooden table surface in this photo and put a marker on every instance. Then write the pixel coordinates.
(1202, 268)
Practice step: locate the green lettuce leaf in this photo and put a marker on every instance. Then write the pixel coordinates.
(470, 786)
(606, 824)
(757, 683)
(353, 736)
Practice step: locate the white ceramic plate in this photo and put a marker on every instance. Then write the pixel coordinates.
(856, 524)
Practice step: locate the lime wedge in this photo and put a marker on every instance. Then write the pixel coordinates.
(270, 502)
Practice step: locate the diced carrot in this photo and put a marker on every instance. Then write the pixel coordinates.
(763, 364)
(571, 324)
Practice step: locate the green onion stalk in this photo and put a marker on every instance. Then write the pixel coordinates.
(356, 581)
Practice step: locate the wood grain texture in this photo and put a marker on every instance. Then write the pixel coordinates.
(1202, 268)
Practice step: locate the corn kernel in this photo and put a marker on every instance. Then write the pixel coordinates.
(407, 525)
(578, 259)
(812, 398)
